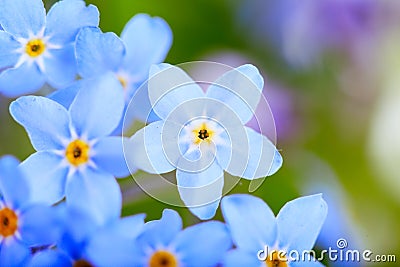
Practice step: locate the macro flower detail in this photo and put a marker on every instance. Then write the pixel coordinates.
(201, 135)
(163, 243)
(37, 47)
(76, 158)
(257, 233)
(23, 223)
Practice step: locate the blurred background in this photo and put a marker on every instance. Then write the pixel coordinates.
(332, 72)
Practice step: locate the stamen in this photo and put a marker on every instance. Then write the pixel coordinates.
(8, 222)
(275, 260)
(77, 152)
(82, 263)
(35, 47)
(163, 258)
(203, 134)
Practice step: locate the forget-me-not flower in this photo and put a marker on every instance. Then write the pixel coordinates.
(35, 48)
(164, 243)
(75, 155)
(256, 232)
(202, 134)
(23, 223)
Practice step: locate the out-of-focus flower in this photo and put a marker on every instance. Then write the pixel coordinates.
(35, 48)
(164, 243)
(75, 155)
(202, 134)
(254, 228)
(23, 224)
(89, 242)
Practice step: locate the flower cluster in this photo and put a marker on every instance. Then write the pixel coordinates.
(61, 206)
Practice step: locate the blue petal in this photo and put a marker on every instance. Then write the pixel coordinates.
(147, 42)
(169, 87)
(60, 67)
(50, 257)
(13, 253)
(300, 221)
(46, 177)
(109, 155)
(97, 52)
(313, 263)
(250, 156)
(22, 17)
(201, 191)
(128, 226)
(145, 150)
(65, 18)
(8, 56)
(203, 244)
(46, 121)
(240, 89)
(97, 110)
(10, 179)
(240, 258)
(251, 222)
(95, 192)
(12, 85)
(39, 225)
(66, 95)
(160, 233)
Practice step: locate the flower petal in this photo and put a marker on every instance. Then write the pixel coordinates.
(50, 257)
(128, 226)
(8, 56)
(46, 177)
(240, 258)
(97, 110)
(12, 85)
(13, 253)
(251, 222)
(65, 18)
(315, 263)
(60, 67)
(203, 244)
(240, 89)
(97, 52)
(169, 87)
(145, 150)
(22, 17)
(39, 226)
(109, 155)
(46, 121)
(147, 41)
(66, 95)
(300, 221)
(10, 179)
(96, 193)
(201, 191)
(251, 155)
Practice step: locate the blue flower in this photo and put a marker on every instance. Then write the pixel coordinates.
(87, 242)
(75, 155)
(202, 134)
(23, 224)
(257, 233)
(35, 48)
(164, 243)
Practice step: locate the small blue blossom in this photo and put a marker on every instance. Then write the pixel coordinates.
(23, 224)
(202, 134)
(164, 243)
(75, 155)
(254, 228)
(35, 48)
(89, 242)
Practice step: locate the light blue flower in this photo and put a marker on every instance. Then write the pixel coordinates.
(202, 134)
(35, 48)
(255, 230)
(87, 242)
(75, 155)
(23, 224)
(164, 243)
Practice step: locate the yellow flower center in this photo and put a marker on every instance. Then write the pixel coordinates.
(8, 222)
(203, 133)
(123, 81)
(163, 258)
(276, 260)
(82, 263)
(35, 47)
(77, 152)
